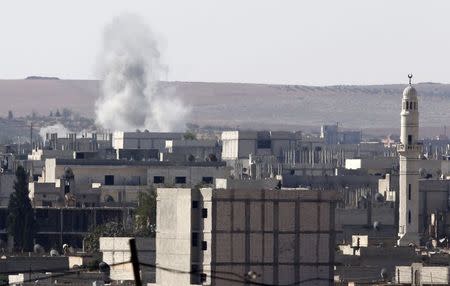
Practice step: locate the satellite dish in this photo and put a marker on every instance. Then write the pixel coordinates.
(384, 273)
(379, 197)
(38, 249)
(104, 269)
(54, 252)
(376, 226)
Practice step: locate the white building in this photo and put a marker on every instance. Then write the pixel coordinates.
(409, 151)
(240, 144)
(116, 252)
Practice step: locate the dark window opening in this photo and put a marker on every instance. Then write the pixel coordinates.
(35, 178)
(409, 192)
(411, 105)
(204, 245)
(194, 239)
(204, 213)
(194, 204)
(196, 276)
(180, 180)
(79, 155)
(47, 204)
(407, 105)
(109, 180)
(208, 180)
(202, 277)
(409, 139)
(409, 216)
(158, 180)
(66, 187)
(264, 144)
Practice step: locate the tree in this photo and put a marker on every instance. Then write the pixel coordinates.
(143, 224)
(189, 136)
(145, 217)
(21, 223)
(109, 229)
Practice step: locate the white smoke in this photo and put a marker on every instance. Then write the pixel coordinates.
(56, 128)
(130, 65)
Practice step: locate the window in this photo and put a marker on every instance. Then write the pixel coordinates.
(196, 276)
(109, 180)
(79, 155)
(407, 105)
(409, 216)
(194, 239)
(208, 180)
(204, 245)
(409, 192)
(158, 180)
(66, 187)
(411, 105)
(409, 139)
(264, 144)
(46, 203)
(194, 204)
(180, 180)
(202, 277)
(204, 213)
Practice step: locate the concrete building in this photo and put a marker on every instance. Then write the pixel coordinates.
(112, 182)
(419, 274)
(372, 166)
(116, 250)
(278, 236)
(192, 150)
(240, 144)
(331, 135)
(409, 151)
(143, 140)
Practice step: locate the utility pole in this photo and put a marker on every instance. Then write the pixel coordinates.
(135, 262)
(31, 135)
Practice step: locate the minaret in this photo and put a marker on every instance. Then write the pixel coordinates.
(409, 150)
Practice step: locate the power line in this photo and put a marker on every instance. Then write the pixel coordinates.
(214, 275)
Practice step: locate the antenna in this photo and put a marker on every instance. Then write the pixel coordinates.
(410, 77)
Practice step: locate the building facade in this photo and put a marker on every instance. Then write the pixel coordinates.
(267, 236)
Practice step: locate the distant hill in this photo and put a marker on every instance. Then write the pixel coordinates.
(248, 105)
(42, 77)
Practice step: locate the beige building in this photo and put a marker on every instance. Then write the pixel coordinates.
(276, 236)
(116, 251)
(419, 274)
(100, 182)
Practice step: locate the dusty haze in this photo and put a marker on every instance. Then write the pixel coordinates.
(249, 105)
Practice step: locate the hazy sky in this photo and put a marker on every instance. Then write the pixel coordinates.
(296, 42)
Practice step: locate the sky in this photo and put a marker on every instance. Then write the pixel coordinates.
(284, 42)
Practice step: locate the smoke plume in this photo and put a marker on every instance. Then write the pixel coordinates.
(56, 128)
(130, 66)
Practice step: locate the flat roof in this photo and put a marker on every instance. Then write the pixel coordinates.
(105, 162)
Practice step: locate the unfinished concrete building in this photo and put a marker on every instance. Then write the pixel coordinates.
(268, 236)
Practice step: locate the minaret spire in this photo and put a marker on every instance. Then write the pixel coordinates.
(409, 151)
